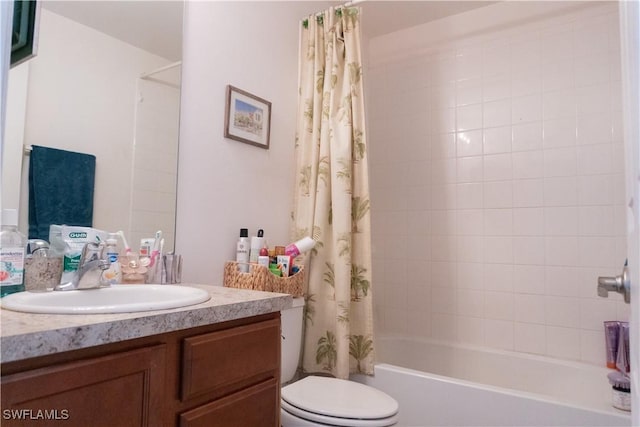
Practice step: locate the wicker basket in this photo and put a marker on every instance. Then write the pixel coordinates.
(259, 278)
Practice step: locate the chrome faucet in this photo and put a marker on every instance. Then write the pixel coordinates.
(620, 284)
(89, 274)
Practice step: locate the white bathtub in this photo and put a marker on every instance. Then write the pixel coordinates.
(453, 385)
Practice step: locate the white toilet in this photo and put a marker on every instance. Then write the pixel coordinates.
(324, 401)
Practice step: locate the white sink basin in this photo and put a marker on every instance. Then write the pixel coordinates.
(114, 299)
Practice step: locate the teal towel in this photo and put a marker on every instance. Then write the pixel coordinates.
(60, 189)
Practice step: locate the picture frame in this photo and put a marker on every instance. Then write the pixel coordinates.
(247, 118)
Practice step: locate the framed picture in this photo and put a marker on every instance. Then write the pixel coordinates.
(247, 118)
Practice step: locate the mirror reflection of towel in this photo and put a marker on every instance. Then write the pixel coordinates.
(60, 189)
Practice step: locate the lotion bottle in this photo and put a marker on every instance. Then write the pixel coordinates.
(242, 251)
(113, 275)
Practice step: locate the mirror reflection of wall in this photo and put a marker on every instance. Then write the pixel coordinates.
(106, 92)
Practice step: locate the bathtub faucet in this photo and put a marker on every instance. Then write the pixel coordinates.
(618, 284)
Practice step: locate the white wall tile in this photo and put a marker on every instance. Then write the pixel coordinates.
(593, 99)
(596, 221)
(562, 281)
(557, 75)
(530, 308)
(591, 69)
(527, 136)
(528, 250)
(470, 330)
(470, 222)
(592, 347)
(469, 117)
(498, 250)
(559, 132)
(560, 162)
(470, 196)
(498, 194)
(470, 303)
(443, 222)
(561, 191)
(563, 342)
(470, 249)
(526, 82)
(560, 221)
(443, 120)
(469, 91)
(443, 145)
(498, 277)
(594, 129)
(469, 169)
(496, 87)
(530, 338)
(498, 222)
(443, 299)
(528, 192)
(595, 190)
(559, 104)
(528, 222)
(499, 305)
(470, 275)
(496, 113)
(499, 334)
(497, 140)
(469, 143)
(528, 164)
(561, 251)
(526, 109)
(497, 167)
(444, 327)
(595, 159)
(562, 311)
(443, 171)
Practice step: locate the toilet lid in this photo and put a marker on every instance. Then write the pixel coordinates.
(339, 398)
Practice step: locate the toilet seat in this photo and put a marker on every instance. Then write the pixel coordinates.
(339, 402)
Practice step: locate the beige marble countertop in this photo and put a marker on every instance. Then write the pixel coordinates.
(26, 335)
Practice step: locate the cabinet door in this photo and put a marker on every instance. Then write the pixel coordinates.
(256, 406)
(122, 389)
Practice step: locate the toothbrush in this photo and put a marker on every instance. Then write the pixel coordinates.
(127, 248)
(156, 246)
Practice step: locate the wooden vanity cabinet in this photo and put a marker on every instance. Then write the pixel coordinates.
(220, 375)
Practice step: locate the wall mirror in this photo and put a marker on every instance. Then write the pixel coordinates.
(105, 81)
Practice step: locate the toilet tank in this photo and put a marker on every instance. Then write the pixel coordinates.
(291, 341)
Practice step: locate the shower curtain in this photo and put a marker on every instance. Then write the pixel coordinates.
(332, 195)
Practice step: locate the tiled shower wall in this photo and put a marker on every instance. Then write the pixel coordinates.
(497, 185)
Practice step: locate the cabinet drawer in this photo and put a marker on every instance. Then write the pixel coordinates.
(238, 355)
(256, 406)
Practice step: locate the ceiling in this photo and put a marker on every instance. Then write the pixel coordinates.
(156, 26)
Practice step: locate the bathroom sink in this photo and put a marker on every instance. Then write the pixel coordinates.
(114, 299)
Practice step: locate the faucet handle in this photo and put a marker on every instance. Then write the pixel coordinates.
(620, 284)
(90, 252)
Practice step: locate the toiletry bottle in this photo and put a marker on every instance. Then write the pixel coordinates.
(113, 275)
(13, 245)
(263, 256)
(301, 246)
(242, 251)
(256, 244)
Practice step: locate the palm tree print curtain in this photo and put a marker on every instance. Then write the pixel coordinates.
(332, 195)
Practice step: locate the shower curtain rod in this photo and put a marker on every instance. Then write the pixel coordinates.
(159, 70)
(347, 4)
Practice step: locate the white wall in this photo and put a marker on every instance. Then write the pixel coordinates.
(80, 97)
(225, 185)
(497, 178)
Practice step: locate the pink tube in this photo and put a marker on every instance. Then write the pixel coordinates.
(611, 334)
